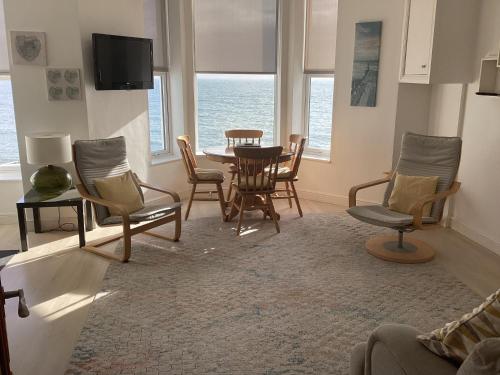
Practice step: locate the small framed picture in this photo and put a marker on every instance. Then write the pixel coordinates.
(63, 84)
(28, 48)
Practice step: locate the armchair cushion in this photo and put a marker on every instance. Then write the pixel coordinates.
(383, 217)
(120, 189)
(409, 189)
(149, 212)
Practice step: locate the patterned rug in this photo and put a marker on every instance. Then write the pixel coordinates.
(264, 303)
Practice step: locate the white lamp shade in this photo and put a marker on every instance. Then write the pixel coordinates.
(45, 149)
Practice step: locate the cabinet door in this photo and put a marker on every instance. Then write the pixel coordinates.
(419, 36)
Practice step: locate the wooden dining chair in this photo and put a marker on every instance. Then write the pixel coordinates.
(257, 169)
(287, 174)
(200, 176)
(238, 136)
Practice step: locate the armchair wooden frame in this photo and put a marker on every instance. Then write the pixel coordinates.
(190, 164)
(296, 145)
(253, 136)
(129, 231)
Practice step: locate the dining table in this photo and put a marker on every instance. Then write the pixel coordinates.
(225, 155)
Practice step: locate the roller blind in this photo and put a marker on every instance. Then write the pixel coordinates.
(4, 55)
(155, 27)
(235, 36)
(320, 36)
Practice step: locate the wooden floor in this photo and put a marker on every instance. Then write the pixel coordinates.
(60, 282)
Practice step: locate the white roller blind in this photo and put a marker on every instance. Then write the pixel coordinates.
(4, 55)
(155, 27)
(235, 36)
(320, 36)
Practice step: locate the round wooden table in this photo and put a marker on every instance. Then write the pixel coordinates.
(226, 155)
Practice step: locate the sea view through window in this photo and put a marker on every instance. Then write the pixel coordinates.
(8, 138)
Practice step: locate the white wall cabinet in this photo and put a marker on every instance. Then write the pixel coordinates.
(439, 38)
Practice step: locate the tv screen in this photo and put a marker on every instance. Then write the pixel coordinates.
(122, 63)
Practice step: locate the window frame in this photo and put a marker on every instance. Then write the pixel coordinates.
(12, 170)
(166, 120)
(315, 152)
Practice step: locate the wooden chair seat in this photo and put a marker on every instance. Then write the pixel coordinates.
(252, 184)
(205, 174)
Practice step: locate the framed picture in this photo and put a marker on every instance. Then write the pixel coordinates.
(63, 84)
(366, 64)
(28, 48)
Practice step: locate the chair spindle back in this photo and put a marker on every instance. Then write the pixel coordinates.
(257, 169)
(235, 136)
(188, 156)
(297, 145)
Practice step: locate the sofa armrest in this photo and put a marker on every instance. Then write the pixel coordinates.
(394, 346)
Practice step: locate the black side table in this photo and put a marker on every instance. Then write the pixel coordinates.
(35, 201)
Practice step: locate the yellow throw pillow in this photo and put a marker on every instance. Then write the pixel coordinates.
(408, 190)
(120, 189)
(456, 340)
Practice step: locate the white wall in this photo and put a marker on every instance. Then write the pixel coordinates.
(476, 205)
(362, 137)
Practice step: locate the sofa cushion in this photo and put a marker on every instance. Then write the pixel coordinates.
(456, 340)
(408, 190)
(484, 359)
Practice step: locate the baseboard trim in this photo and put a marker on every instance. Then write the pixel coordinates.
(339, 200)
(475, 236)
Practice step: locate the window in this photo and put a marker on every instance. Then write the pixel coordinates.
(319, 66)
(235, 64)
(158, 121)
(8, 140)
(319, 111)
(230, 101)
(155, 21)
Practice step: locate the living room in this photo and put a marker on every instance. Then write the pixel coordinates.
(275, 281)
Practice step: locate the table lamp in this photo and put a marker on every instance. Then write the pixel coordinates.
(49, 149)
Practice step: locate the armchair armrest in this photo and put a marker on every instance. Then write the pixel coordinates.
(119, 207)
(173, 194)
(418, 207)
(354, 190)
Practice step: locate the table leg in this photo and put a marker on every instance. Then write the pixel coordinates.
(81, 223)
(89, 222)
(21, 218)
(36, 220)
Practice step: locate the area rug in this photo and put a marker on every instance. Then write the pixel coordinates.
(263, 303)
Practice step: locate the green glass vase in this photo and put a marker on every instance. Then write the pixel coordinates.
(51, 180)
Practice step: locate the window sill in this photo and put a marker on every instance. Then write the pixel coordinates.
(165, 158)
(10, 172)
(320, 156)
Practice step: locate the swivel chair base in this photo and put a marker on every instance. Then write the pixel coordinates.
(395, 249)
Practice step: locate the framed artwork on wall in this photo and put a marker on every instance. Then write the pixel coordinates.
(28, 48)
(366, 64)
(63, 84)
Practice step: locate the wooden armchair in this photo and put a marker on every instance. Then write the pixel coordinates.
(420, 156)
(107, 158)
(234, 137)
(257, 169)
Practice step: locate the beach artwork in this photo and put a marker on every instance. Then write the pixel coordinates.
(366, 64)
(63, 84)
(28, 48)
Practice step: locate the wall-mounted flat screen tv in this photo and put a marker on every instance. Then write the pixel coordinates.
(122, 62)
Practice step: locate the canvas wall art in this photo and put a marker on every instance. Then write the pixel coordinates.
(28, 48)
(366, 64)
(63, 84)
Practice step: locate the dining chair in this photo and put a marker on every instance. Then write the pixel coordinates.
(238, 136)
(287, 174)
(105, 158)
(200, 176)
(256, 170)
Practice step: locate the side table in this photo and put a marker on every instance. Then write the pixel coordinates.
(35, 201)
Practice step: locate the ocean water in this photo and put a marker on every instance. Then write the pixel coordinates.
(225, 101)
(9, 152)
